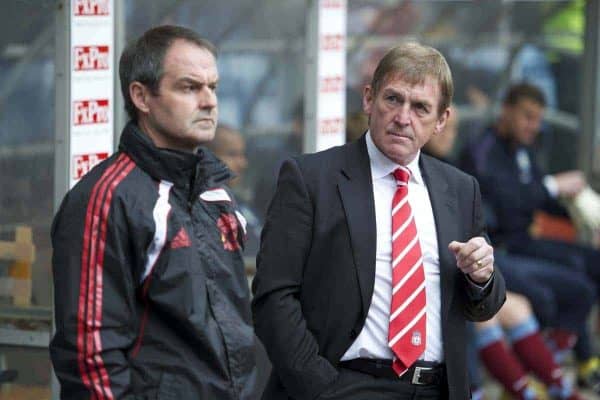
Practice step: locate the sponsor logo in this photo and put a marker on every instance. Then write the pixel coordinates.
(83, 163)
(332, 42)
(86, 112)
(332, 84)
(331, 125)
(91, 7)
(333, 3)
(89, 58)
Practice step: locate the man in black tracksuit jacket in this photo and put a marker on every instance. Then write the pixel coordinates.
(151, 298)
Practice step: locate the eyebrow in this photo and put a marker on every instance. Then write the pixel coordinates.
(187, 79)
(395, 92)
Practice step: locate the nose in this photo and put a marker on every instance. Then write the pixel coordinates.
(207, 98)
(402, 115)
(533, 125)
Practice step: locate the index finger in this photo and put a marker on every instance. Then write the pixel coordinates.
(471, 246)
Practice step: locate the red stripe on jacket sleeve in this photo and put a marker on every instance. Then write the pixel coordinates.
(89, 317)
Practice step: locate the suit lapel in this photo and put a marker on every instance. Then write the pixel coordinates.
(443, 204)
(356, 192)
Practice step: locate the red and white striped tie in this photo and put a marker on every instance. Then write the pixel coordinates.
(406, 336)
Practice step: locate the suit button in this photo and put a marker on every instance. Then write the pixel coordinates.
(353, 334)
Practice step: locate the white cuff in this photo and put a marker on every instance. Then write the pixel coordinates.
(480, 289)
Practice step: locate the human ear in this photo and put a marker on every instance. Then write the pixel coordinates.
(139, 94)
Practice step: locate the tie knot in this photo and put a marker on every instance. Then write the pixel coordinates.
(402, 175)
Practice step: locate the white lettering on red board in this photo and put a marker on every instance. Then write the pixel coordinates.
(87, 112)
(83, 163)
(91, 7)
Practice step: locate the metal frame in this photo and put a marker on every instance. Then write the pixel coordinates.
(589, 144)
(310, 77)
(120, 116)
(61, 125)
(62, 106)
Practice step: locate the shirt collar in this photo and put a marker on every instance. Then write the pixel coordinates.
(381, 166)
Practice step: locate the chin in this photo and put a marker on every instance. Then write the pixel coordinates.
(395, 157)
(528, 141)
(201, 138)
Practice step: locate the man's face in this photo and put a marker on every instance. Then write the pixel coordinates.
(403, 116)
(231, 149)
(183, 114)
(524, 119)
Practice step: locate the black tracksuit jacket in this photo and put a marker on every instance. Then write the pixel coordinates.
(151, 298)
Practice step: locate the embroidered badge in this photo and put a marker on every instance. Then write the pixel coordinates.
(415, 340)
(228, 226)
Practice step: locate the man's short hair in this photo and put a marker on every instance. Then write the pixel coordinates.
(522, 91)
(413, 63)
(142, 60)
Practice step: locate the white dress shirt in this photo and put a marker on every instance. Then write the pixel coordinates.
(525, 173)
(372, 342)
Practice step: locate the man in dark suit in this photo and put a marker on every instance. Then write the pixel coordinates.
(372, 255)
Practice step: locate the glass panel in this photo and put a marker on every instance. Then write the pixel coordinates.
(261, 67)
(26, 201)
(488, 47)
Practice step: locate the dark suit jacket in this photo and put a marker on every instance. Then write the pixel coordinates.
(513, 194)
(316, 267)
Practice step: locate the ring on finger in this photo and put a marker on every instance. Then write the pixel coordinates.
(479, 263)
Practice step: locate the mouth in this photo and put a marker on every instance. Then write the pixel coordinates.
(205, 121)
(400, 135)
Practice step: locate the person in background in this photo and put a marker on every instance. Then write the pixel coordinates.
(356, 125)
(151, 298)
(373, 256)
(514, 186)
(562, 300)
(271, 158)
(441, 146)
(230, 147)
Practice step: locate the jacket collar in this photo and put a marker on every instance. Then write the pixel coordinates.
(200, 170)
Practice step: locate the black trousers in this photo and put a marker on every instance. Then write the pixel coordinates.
(354, 385)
